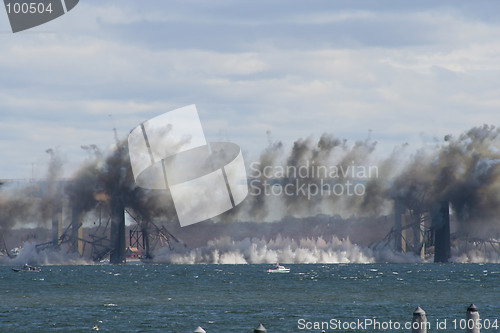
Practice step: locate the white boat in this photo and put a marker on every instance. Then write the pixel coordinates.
(278, 269)
(26, 268)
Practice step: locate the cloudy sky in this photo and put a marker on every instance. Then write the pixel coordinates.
(400, 71)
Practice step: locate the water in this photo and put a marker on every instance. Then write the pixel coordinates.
(236, 298)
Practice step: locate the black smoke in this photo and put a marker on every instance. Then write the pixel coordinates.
(463, 170)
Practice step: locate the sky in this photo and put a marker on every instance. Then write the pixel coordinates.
(396, 71)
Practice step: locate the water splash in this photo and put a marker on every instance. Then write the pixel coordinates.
(29, 255)
(284, 250)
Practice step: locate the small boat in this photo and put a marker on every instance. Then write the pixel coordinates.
(278, 269)
(26, 268)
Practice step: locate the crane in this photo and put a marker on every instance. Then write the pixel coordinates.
(114, 129)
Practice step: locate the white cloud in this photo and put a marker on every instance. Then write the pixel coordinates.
(295, 70)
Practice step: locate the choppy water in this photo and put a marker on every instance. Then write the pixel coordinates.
(235, 298)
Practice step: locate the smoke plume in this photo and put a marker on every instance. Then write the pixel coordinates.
(329, 176)
(463, 171)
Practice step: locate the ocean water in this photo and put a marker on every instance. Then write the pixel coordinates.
(236, 298)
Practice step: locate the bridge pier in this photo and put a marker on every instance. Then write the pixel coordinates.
(57, 217)
(77, 229)
(441, 225)
(117, 232)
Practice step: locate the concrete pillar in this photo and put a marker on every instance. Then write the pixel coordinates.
(441, 225)
(77, 230)
(145, 242)
(260, 329)
(403, 234)
(419, 321)
(420, 239)
(56, 222)
(117, 232)
(472, 319)
(399, 243)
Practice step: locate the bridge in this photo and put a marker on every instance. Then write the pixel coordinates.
(106, 238)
